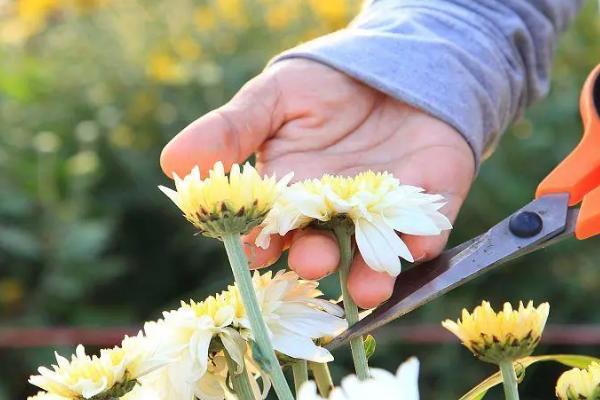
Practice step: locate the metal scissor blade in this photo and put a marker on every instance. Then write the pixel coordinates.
(423, 283)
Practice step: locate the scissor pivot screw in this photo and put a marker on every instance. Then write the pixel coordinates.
(526, 224)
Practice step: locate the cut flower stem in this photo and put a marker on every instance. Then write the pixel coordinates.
(322, 377)
(267, 358)
(300, 371)
(509, 380)
(343, 232)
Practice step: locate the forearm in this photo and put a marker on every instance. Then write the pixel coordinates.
(473, 64)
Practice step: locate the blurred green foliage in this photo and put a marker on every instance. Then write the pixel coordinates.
(90, 91)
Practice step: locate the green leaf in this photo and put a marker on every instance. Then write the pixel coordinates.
(370, 346)
(570, 360)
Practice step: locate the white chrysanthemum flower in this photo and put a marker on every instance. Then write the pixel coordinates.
(172, 382)
(175, 382)
(115, 371)
(194, 333)
(46, 396)
(378, 205)
(142, 392)
(382, 385)
(143, 354)
(188, 333)
(294, 315)
(225, 204)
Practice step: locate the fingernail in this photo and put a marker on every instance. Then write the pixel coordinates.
(421, 257)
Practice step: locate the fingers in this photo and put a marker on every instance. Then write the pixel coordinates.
(229, 134)
(258, 257)
(452, 181)
(425, 248)
(314, 254)
(368, 288)
(451, 175)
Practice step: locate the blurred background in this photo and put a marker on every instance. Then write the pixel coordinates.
(90, 91)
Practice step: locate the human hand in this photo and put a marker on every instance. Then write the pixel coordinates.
(305, 117)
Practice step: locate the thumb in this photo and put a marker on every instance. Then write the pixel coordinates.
(230, 133)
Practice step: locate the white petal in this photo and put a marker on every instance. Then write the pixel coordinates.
(283, 182)
(142, 392)
(440, 220)
(170, 193)
(195, 174)
(263, 239)
(293, 345)
(199, 347)
(209, 387)
(328, 307)
(355, 389)
(89, 389)
(413, 222)
(235, 346)
(224, 316)
(309, 204)
(308, 391)
(218, 169)
(309, 321)
(380, 246)
(340, 205)
(408, 379)
(338, 394)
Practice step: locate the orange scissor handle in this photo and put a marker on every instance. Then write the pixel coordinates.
(579, 173)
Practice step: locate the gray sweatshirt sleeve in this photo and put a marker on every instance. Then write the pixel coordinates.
(475, 64)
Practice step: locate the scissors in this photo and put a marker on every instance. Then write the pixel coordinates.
(548, 219)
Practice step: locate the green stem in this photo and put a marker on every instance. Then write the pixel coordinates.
(322, 377)
(264, 354)
(240, 381)
(343, 234)
(300, 370)
(509, 380)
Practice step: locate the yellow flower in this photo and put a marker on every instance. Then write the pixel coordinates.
(88, 5)
(36, 12)
(279, 14)
(163, 67)
(376, 203)
(187, 48)
(506, 335)
(83, 376)
(233, 12)
(11, 291)
(113, 373)
(205, 18)
(580, 384)
(220, 204)
(334, 12)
